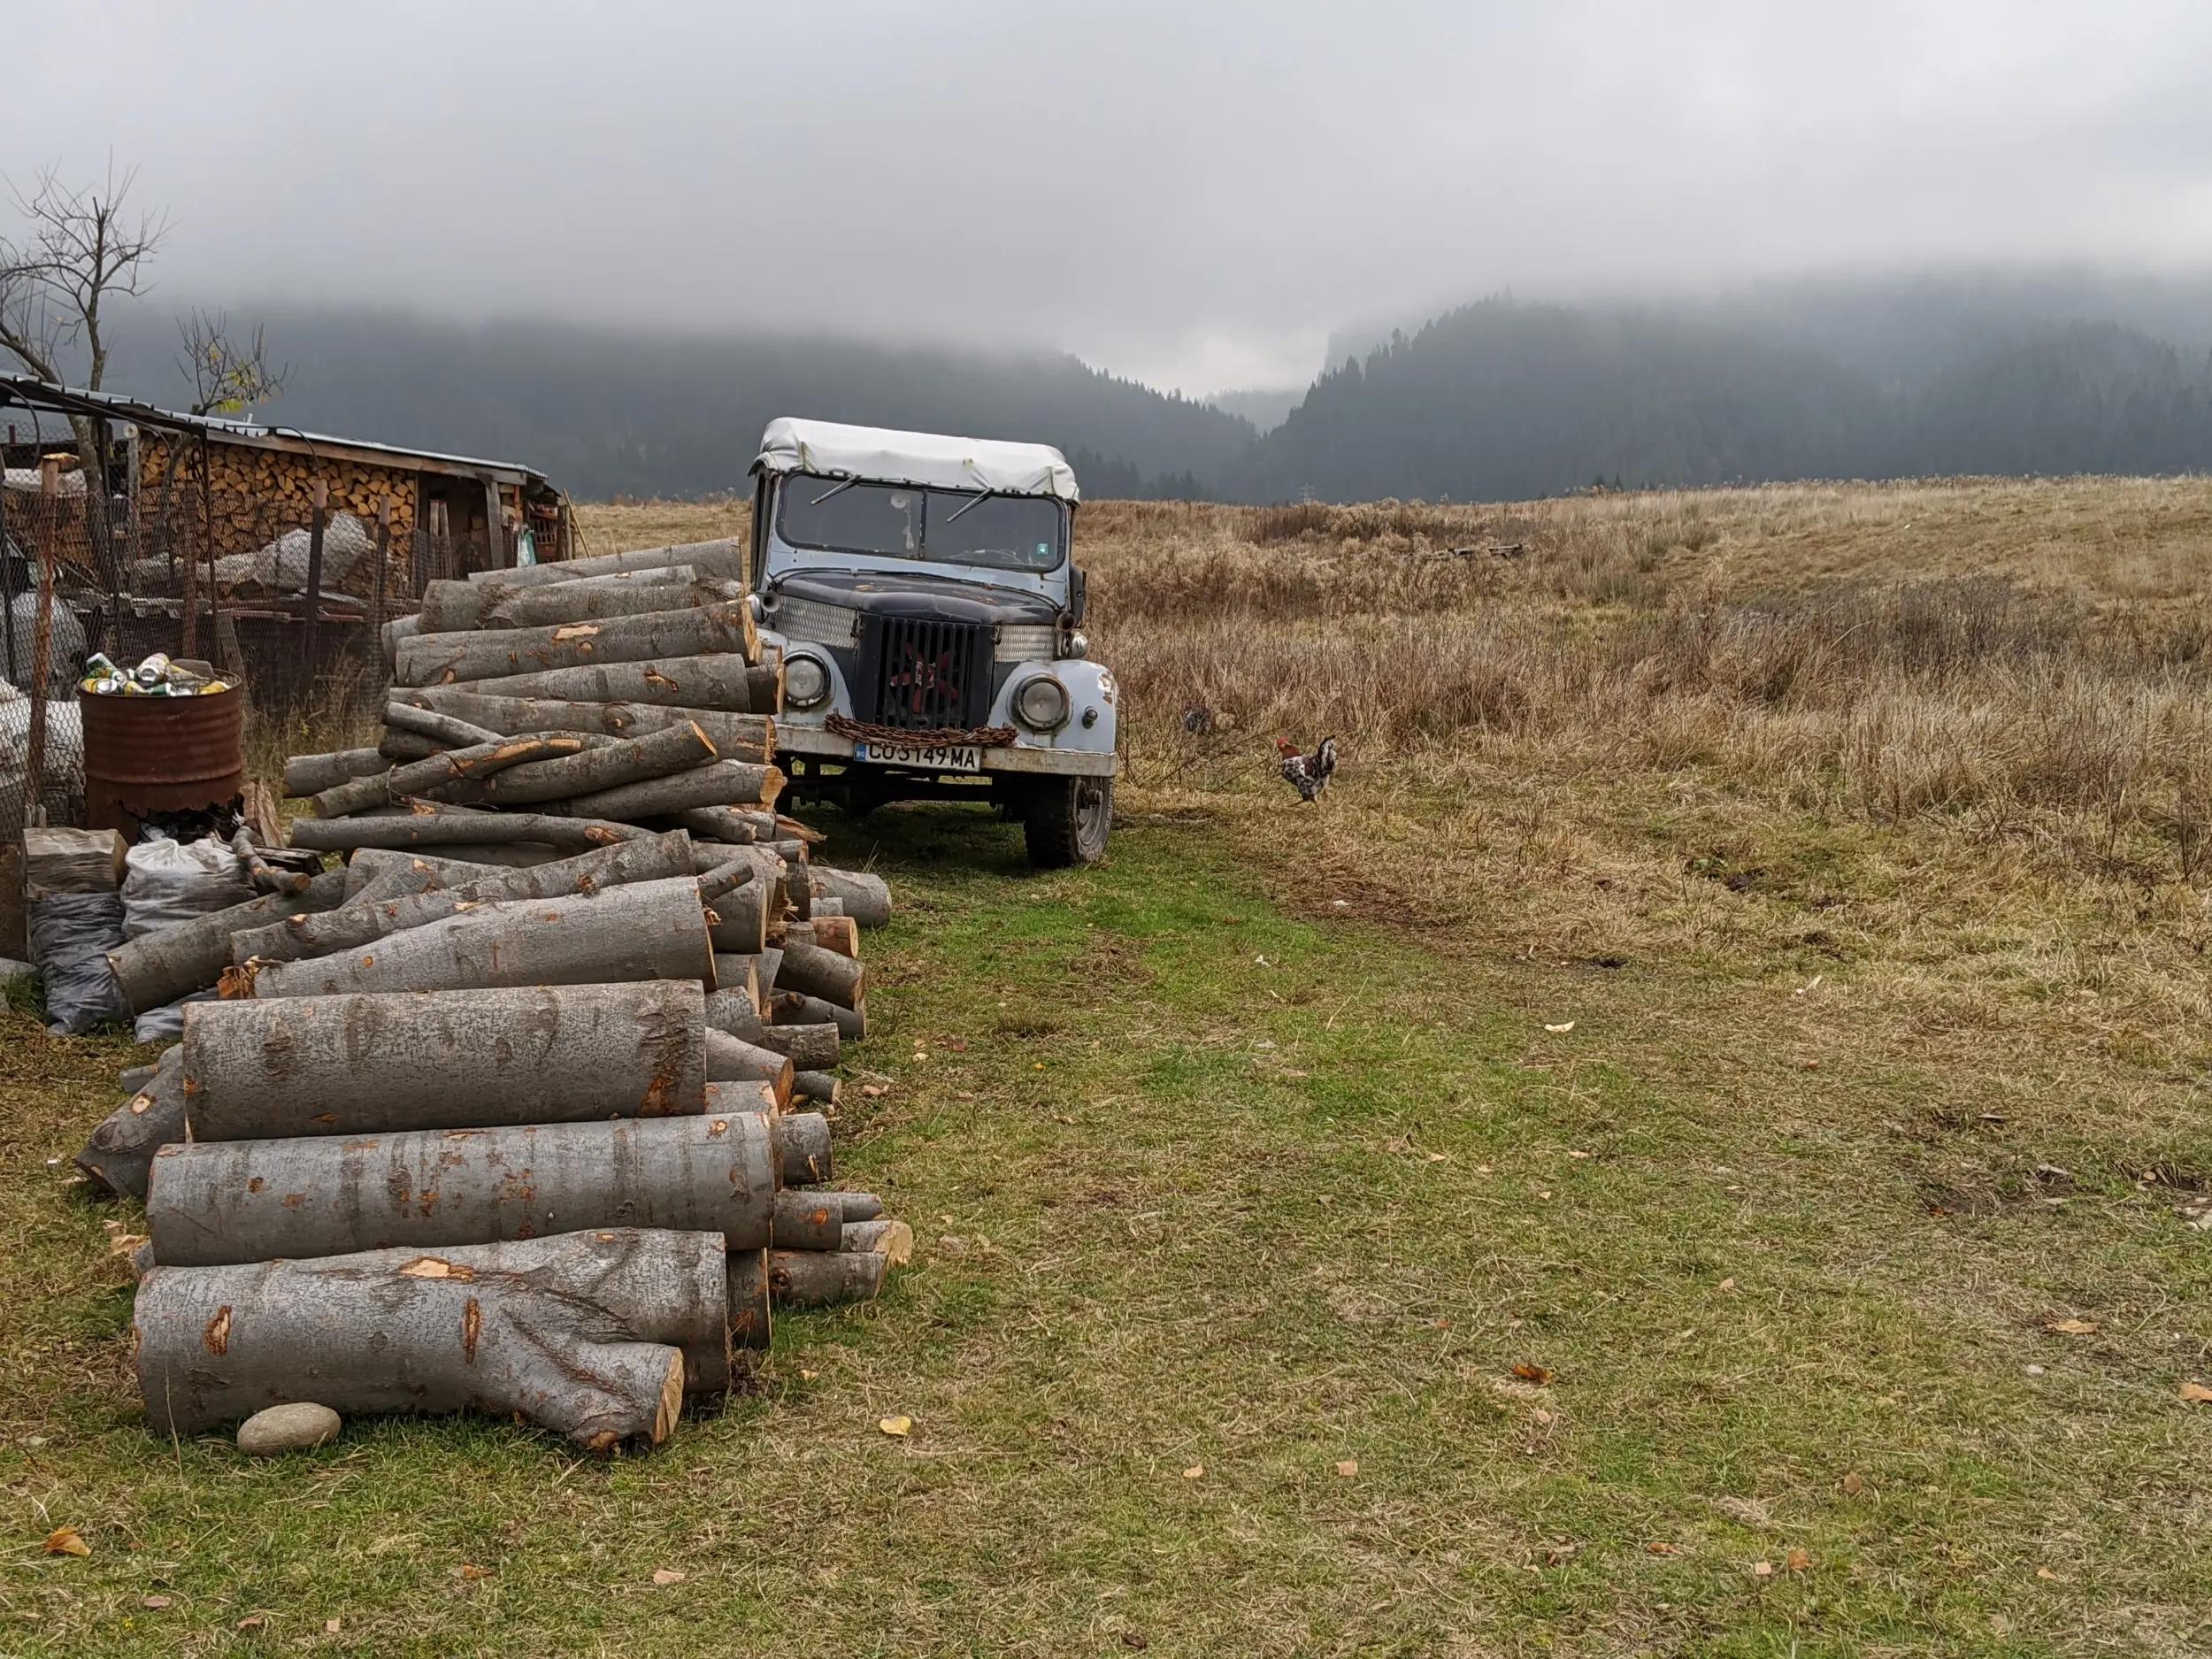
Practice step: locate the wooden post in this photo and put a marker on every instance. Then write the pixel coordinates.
(383, 565)
(42, 640)
(321, 499)
(494, 527)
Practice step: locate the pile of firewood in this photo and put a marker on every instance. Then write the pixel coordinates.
(511, 1111)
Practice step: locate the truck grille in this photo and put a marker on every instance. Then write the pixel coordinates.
(922, 674)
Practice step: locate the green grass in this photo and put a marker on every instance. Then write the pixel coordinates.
(1208, 1175)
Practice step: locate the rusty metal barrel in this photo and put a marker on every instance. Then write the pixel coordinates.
(145, 754)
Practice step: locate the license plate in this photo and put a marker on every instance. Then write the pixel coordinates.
(936, 757)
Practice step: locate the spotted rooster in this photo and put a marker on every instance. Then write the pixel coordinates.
(1309, 774)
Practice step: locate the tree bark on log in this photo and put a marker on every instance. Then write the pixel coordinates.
(866, 898)
(750, 737)
(733, 1012)
(893, 1241)
(802, 1147)
(441, 772)
(649, 930)
(122, 1149)
(588, 1335)
(740, 920)
(748, 1302)
(823, 1278)
(616, 762)
(213, 1204)
(790, 1008)
(860, 1206)
(593, 602)
(735, 826)
(814, 972)
(311, 774)
(738, 975)
(372, 1063)
(717, 783)
(764, 966)
(425, 826)
(724, 557)
(733, 1060)
(820, 1087)
(396, 632)
(388, 870)
(723, 683)
(450, 607)
(174, 962)
(448, 731)
(445, 659)
(357, 924)
(810, 1048)
(806, 1221)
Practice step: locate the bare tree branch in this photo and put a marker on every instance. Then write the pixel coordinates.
(78, 250)
(230, 375)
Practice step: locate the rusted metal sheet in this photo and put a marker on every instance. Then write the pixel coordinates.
(160, 755)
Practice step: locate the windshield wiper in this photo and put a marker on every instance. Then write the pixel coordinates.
(837, 489)
(978, 502)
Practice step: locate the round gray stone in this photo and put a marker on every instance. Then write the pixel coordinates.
(293, 1428)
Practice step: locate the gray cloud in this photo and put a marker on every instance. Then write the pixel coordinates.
(1195, 194)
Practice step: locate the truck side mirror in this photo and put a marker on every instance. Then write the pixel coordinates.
(1079, 594)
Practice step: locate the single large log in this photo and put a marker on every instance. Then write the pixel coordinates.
(442, 659)
(448, 607)
(212, 1204)
(893, 1241)
(448, 731)
(613, 763)
(736, 1012)
(791, 1007)
(447, 768)
(821, 1278)
(724, 557)
(721, 682)
(866, 898)
(121, 1148)
(718, 783)
(733, 1060)
(806, 1221)
(387, 870)
(590, 1334)
(818, 1088)
(814, 972)
(364, 921)
(734, 825)
(740, 920)
(362, 1062)
(810, 1048)
(649, 930)
(311, 774)
(425, 825)
(161, 966)
(735, 736)
(605, 597)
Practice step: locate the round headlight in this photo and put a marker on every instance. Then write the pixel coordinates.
(805, 683)
(1041, 704)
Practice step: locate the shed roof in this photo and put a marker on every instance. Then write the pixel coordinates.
(40, 396)
(931, 460)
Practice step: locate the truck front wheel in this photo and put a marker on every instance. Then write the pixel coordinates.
(1067, 822)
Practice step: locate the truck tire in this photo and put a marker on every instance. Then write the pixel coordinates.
(1067, 822)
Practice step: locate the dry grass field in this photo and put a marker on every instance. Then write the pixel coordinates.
(1696, 1146)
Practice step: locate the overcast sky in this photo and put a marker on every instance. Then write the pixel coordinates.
(1195, 193)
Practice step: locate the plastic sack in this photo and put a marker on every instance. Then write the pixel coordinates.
(165, 1023)
(166, 882)
(70, 936)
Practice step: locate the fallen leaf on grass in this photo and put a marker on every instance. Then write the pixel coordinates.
(1798, 1559)
(332, 1627)
(252, 1621)
(2195, 1393)
(667, 1575)
(469, 1572)
(1853, 1484)
(1661, 1549)
(1528, 1372)
(2071, 1328)
(898, 1428)
(1728, 1283)
(1763, 1570)
(873, 1091)
(1196, 1471)
(67, 1540)
(157, 1602)
(2048, 1577)
(808, 1376)
(1347, 1467)
(1561, 1031)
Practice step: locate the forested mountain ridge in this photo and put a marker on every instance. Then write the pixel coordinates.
(1496, 400)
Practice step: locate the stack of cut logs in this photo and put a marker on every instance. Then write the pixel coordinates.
(511, 1111)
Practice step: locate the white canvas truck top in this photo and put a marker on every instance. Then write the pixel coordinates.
(927, 459)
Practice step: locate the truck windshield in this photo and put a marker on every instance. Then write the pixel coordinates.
(1005, 533)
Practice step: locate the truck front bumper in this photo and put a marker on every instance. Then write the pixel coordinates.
(1056, 763)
